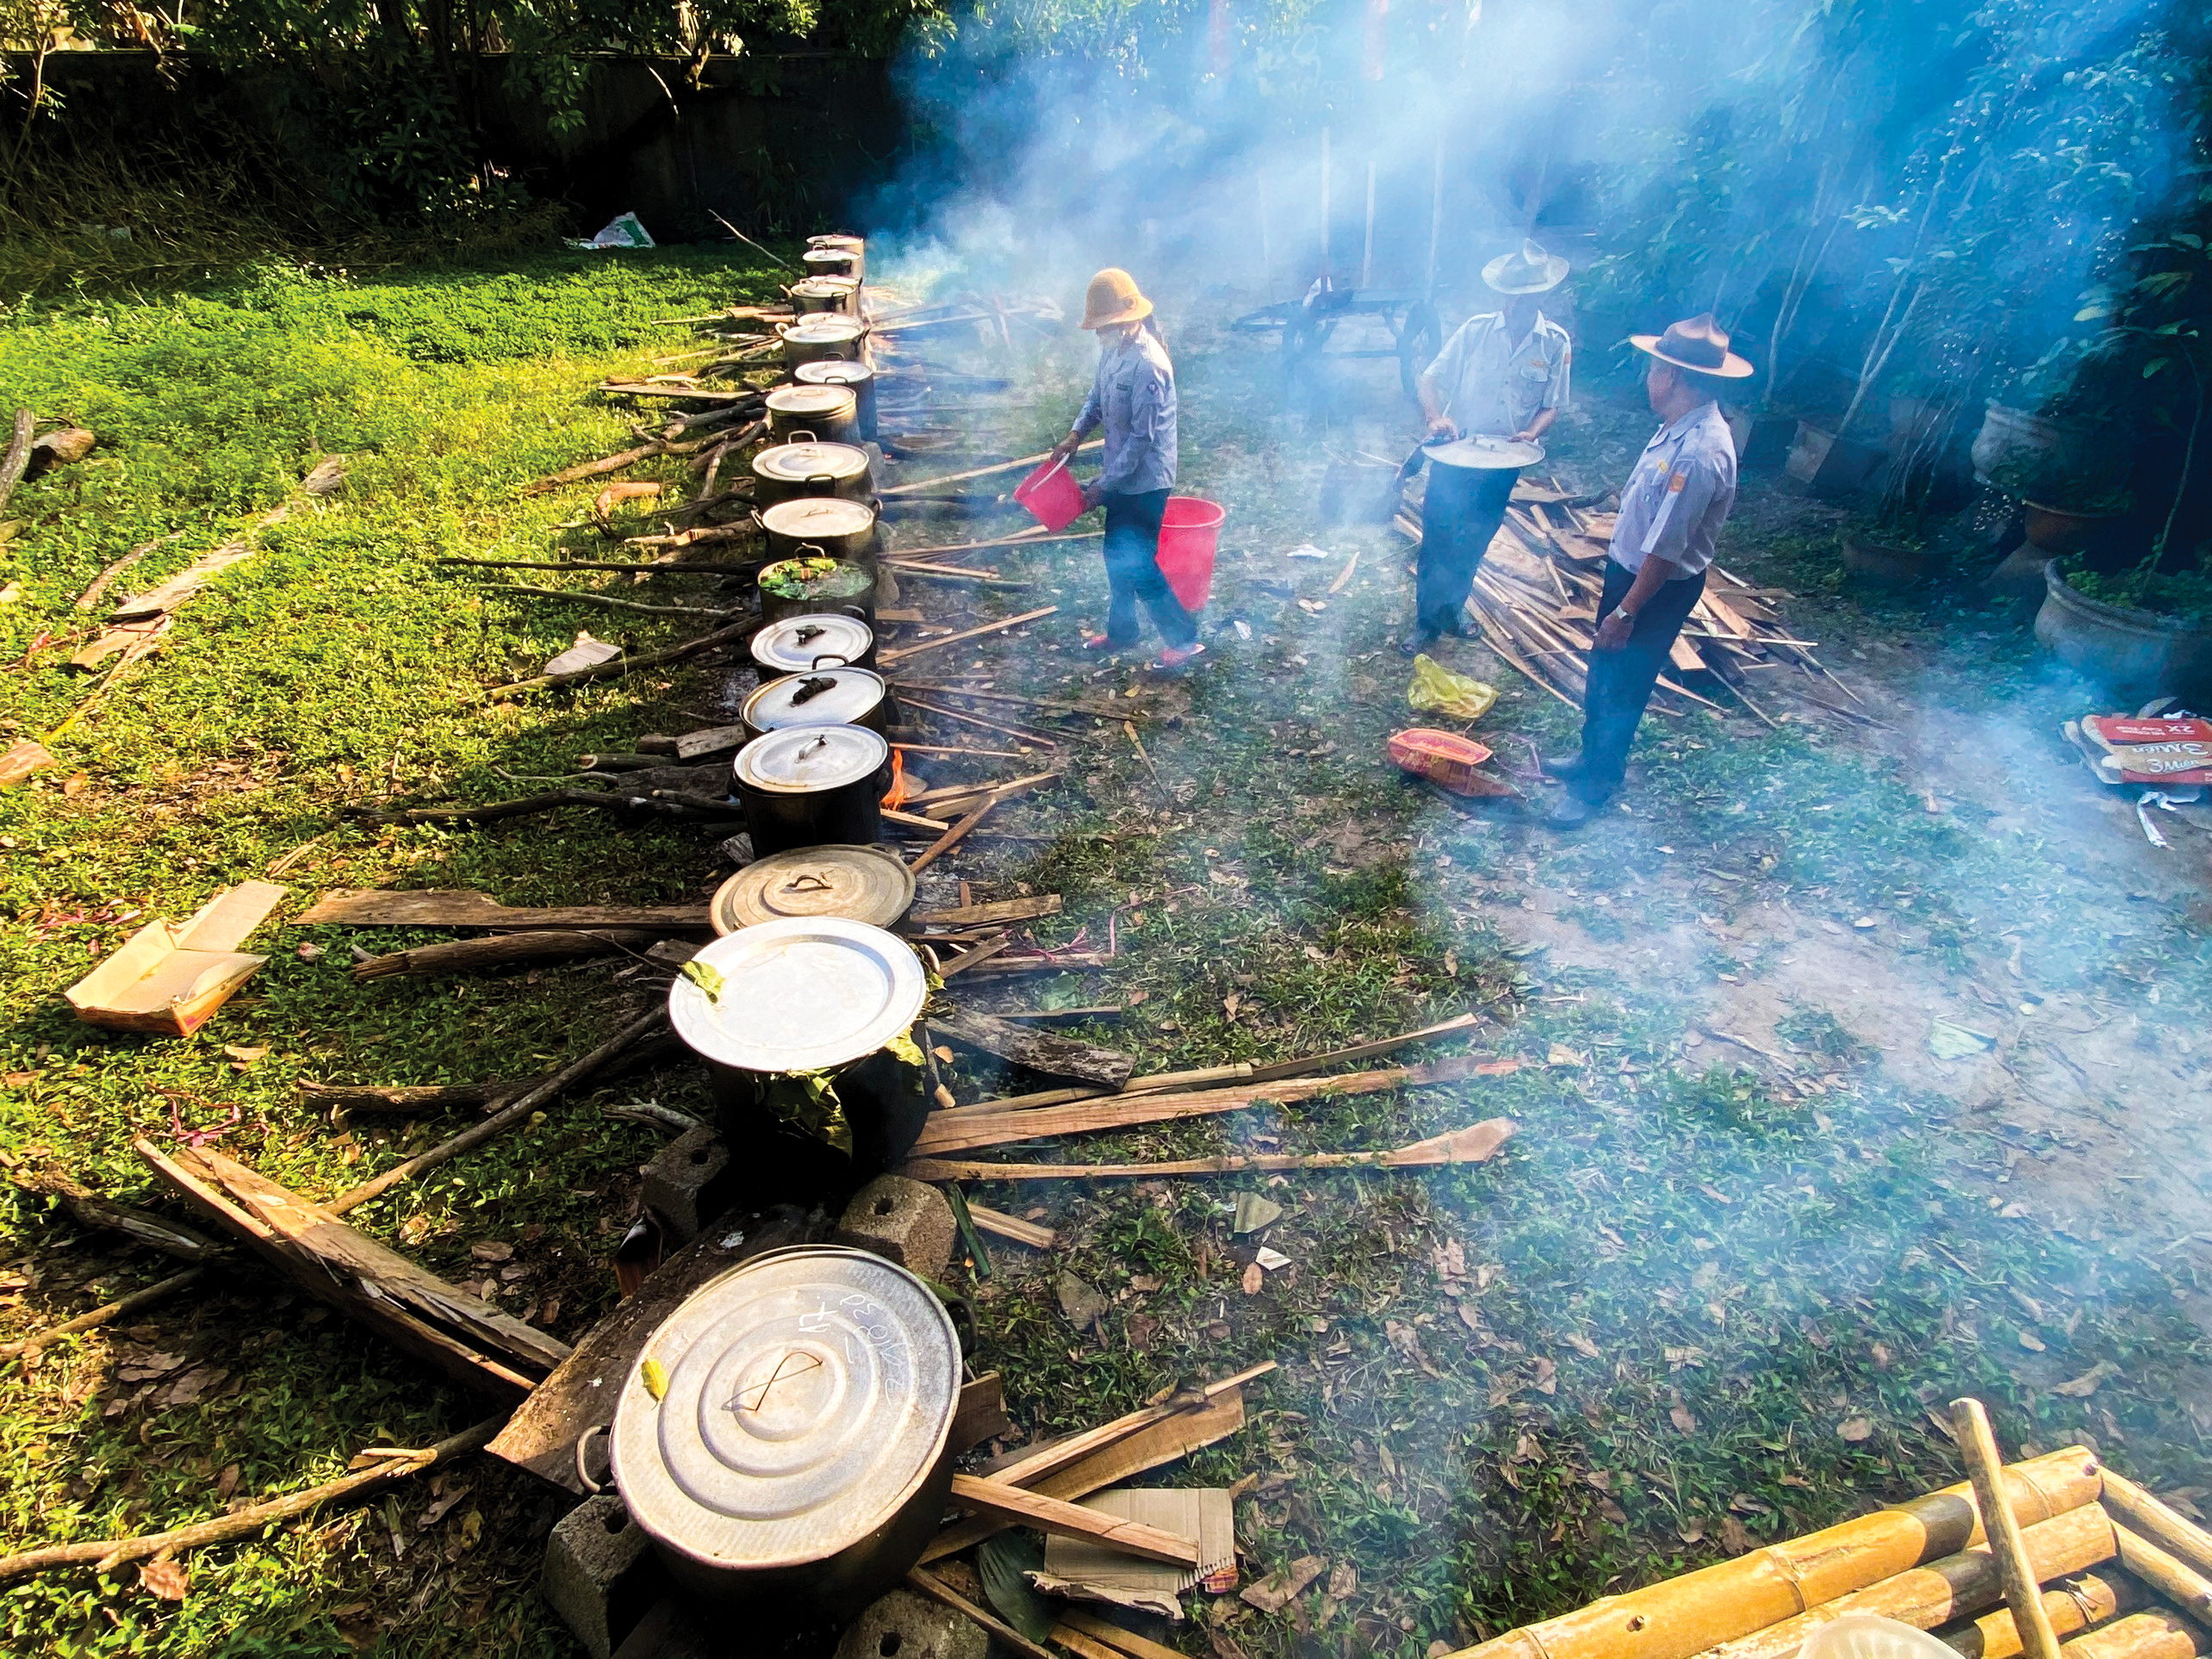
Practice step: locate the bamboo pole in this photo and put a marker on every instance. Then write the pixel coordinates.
(2087, 1599)
(1985, 1468)
(905, 651)
(1951, 1588)
(983, 472)
(2156, 1634)
(1474, 1144)
(2146, 1515)
(2189, 1591)
(1680, 1617)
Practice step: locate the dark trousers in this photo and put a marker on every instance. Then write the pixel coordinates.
(1133, 571)
(1620, 682)
(1460, 512)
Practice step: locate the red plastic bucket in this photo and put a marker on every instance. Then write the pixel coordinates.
(1053, 496)
(1189, 531)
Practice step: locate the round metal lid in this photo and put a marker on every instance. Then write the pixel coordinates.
(796, 643)
(860, 884)
(805, 1398)
(836, 402)
(826, 287)
(1485, 452)
(834, 371)
(796, 760)
(815, 578)
(824, 328)
(820, 697)
(810, 517)
(794, 463)
(799, 995)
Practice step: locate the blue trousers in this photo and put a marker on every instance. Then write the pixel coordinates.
(1133, 571)
(1460, 513)
(1620, 682)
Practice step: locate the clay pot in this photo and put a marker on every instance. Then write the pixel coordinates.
(2136, 654)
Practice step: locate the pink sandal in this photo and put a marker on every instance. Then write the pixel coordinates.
(1177, 657)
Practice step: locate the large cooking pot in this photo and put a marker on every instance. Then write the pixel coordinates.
(812, 583)
(836, 256)
(828, 524)
(837, 295)
(860, 884)
(838, 371)
(795, 644)
(816, 336)
(822, 696)
(786, 472)
(806, 412)
(808, 996)
(785, 1437)
(813, 787)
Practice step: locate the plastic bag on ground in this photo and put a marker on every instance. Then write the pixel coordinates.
(624, 232)
(1458, 695)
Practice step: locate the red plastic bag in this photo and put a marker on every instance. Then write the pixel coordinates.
(1446, 759)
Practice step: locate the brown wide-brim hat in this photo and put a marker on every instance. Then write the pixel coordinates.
(1114, 297)
(1700, 344)
(1527, 270)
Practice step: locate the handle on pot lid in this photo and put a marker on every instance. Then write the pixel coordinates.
(829, 657)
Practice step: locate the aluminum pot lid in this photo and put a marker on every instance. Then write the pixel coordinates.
(1481, 451)
(812, 518)
(829, 255)
(861, 884)
(803, 760)
(834, 371)
(823, 329)
(802, 994)
(834, 402)
(803, 1399)
(796, 643)
(816, 577)
(820, 697)
(826, 287)
(794, 463)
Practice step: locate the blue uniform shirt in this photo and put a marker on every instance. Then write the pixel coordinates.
(1678, 498)
(1134, 398)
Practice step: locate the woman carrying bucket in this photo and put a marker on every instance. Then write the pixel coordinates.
(1134, 398)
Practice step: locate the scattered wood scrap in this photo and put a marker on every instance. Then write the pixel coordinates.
(461, 907)
(1475, 1144)
(170, 979)
(1004, 1501)
(417, 1312)
(1039, 1051)
(88, 1209)
(505, 950)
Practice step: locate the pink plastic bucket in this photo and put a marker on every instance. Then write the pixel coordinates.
(1188, 532)
(1053, 496)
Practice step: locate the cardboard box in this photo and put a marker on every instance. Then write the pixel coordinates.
(170, 979)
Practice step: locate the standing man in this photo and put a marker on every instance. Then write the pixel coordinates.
(1671, 511)
(1503, 374)
(1132, 396)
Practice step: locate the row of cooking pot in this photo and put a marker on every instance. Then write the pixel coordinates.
(817, 760)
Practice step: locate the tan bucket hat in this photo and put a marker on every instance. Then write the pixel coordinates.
(1527, 270)
(1114, 298)
(1701, 343)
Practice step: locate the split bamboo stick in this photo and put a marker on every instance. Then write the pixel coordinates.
(908, 700)
(1006, 1502)
(1680, 1617)
(1474, 1145)
(1985, 1468)
(2154, 1520)
(946, 842)
(2082, 1601)
(983, 472)
(1950, 1587)
(905, 651)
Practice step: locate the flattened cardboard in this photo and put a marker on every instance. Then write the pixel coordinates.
(1091, 1572)
(170, 980)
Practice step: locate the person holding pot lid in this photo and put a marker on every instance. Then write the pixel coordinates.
(1132, 397)
(1672, 509)
(1504, 374)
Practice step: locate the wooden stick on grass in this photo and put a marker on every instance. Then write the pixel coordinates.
(1474, 1145)
(946, 842)
(18, 456)
(624, 663)
(982, 472)
(905, 651)
(1058, 1517)
(610, 602)
(121, 1307)
(1986, 1468)
(107, 1554)
(978, 721)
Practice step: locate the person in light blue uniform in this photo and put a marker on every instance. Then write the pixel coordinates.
(1504, 374)
(1672, 509)
(1133, 398)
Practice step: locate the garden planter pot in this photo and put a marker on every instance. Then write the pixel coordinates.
(2017, 446)
(1830, 466)
(813, 787)
(787, 1435)
(2057, 531)
(2136, 654)
(1891, 566)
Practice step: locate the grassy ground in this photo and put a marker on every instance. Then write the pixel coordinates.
(1694, 1305)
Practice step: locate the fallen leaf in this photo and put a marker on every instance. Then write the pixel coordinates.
(1582, 1345)
(1273, 1260)
(1230, 1004)
(1081, 1300)
(491, 1250)
(1694, 1533)
(2031, 1342)
(1449, 1259)
(243, 1056)
(1255, 1213)
(1677, 1358)
(2088, 1383)
(1856, 1429)
(227, 1483)
(1528, 1449)
(1255, 1278)
(1547, 1375)
(472, 1528)
(1679, 1415)
(165, 1579)
(1344, 1579)
(1560, 1054)
(441, 1504)
(144, 1367)
(1275, 1591)
(1734, 1536)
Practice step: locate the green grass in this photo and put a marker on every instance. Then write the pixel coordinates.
(1771, 1256)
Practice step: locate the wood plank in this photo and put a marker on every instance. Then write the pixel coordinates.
(436, 907)
(980, 1414)
(327, 475)
(504, 950)
(1000, 1225)
(998, 912)
(1474, 1144)
(414, 1310)
(1039, 1050)
(1291, 1068)
(1120, 1641)
(1056, 1515)
(581, 1392)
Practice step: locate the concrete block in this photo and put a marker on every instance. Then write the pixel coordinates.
(690, 1182)
(911, 1627)
(601, 1574)
(905, 1222)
